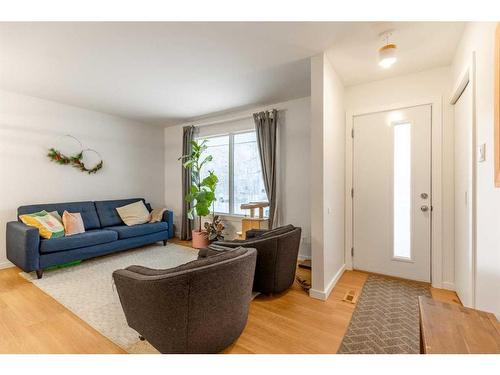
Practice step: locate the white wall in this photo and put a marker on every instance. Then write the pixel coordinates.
(411, 88)
(327, 176)
(479, 37)
(132, 154)
(294, 128)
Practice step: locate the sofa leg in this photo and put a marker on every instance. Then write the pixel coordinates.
(39, 274)
(141, 338)
(164, 242)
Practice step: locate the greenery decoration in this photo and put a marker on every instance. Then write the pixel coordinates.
(202, 193)
(75, 161)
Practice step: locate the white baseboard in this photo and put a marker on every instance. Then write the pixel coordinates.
(304, 257)
(448, 285)
(6, 264)
(324, 294)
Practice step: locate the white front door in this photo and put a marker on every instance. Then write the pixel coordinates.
(392, 200)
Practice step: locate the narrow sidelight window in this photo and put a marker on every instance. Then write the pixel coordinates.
(402, 190)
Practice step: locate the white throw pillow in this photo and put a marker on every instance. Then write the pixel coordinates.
(157, 215)
(134, 213)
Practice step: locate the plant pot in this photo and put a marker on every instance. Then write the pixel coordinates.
(200, 239)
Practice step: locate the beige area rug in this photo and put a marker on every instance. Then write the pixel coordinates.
(88, 290)
(386, 318)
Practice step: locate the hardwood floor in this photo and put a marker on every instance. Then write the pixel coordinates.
(33, 322)
(292, 322)
(295, 323)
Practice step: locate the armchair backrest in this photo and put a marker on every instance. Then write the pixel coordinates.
(200, 308)
(277, 253)
(276, 261)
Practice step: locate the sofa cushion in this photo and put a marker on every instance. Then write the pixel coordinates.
(86, 209)
(107, 210)
(138, 230)
(90, 238)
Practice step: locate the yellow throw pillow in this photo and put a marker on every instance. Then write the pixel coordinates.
(48, 225)
(134, 213)
(73, 223)
(157, 215)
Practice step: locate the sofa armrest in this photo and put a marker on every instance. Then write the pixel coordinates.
(23, 243)
(168, 217)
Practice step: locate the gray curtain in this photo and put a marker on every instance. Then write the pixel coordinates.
(266, 127)
(186, 227)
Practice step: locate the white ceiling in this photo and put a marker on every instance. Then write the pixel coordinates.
(162, 73)
(420, 46)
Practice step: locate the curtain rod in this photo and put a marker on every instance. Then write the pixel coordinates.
(241, 116)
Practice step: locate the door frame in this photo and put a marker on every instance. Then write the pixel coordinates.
(436, 103)
(468, 77)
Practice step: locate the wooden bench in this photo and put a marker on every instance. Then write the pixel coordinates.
(447, 328)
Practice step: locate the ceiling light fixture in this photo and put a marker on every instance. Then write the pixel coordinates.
(387, 53)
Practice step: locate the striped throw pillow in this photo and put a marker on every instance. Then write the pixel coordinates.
(48, 225)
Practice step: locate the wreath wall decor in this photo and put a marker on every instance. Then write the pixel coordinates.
(75, 160)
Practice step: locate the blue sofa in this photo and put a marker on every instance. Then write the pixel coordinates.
(105, 233)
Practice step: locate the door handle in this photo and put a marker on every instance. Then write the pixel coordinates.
(424, 208)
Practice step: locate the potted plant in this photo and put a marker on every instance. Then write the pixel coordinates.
(215, 229)
(202, 192)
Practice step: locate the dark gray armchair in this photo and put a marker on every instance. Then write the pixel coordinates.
(198, 307)
(277, 252)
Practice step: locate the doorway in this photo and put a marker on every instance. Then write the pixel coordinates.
(391, 197)
(464, 145)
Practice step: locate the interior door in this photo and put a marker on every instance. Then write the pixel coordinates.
(392, 200)
(463, 189)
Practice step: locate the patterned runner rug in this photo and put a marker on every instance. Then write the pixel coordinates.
(386, 318)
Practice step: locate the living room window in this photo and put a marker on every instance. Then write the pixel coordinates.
(236, 163)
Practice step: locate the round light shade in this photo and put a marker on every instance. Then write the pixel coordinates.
(387, 55)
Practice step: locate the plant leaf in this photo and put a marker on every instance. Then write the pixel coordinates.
(210, 181)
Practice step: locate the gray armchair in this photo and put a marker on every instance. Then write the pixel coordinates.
(198, 307)
(277, 252)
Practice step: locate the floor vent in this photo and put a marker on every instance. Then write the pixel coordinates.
(351, 297)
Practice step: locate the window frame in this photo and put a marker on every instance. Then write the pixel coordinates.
(231, 166)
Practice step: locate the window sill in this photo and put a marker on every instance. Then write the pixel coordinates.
(234, 217)
(230, 217)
